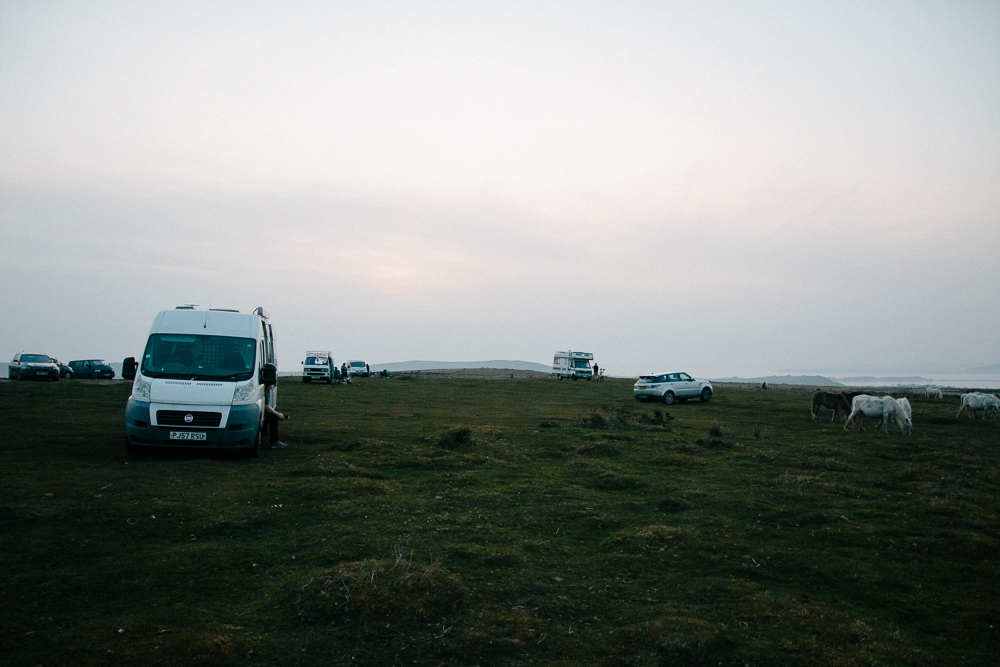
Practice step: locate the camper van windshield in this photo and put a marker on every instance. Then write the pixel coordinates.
(312, 361)
(195, 357)
(581, 363)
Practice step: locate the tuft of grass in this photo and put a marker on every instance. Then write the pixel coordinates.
(456, 437)
(718, 437)
(393, 590)
(610, 418)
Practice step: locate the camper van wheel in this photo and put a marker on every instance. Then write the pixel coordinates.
(668, 398)
(254, 451)
(305, 380)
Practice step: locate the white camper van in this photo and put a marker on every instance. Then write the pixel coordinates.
(574, 365)
(318, 366)
(201, 381)
(357, 367)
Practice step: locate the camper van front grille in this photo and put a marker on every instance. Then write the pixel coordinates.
(180, 418)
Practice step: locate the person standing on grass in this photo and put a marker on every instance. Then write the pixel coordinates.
(271, 418)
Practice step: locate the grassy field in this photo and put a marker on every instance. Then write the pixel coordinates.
(423, 520)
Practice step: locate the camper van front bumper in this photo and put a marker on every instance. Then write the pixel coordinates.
(240, 430)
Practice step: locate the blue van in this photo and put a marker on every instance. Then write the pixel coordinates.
(92, 369)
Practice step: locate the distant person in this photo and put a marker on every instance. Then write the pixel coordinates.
(597, 372)
(271, 419)
(368, 369)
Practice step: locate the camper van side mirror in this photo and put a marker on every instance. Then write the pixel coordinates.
(268, 374)
(128, 368)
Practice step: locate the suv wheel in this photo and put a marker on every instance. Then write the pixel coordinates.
(706, 394)
(668, 398)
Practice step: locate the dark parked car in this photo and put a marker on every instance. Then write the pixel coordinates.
(32, 366)
(64, 370)
(91, 369)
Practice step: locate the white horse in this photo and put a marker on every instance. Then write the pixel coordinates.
(882, 406)
(979, 401)
(933, 392)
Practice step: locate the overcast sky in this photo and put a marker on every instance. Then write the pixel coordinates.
(716, 187)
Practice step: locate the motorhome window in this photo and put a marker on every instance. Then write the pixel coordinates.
(315, 360)
(581, 363)
(201, 357)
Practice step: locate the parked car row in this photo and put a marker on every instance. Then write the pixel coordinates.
(43, 367)
(320, 367)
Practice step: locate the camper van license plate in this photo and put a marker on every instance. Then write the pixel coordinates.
(187, 435)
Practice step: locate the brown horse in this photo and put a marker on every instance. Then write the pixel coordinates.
(831, 400)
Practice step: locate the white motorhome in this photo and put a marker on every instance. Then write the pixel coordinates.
(574, 365)
(318, 366)
(201, 381)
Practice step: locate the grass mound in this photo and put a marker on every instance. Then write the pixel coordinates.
(390, 589)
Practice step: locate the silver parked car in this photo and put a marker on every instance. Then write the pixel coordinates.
(671, 387)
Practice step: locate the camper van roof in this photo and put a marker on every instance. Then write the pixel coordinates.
(210, 322)
(575, 355)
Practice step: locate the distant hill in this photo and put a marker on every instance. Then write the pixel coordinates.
(806, 380)
(402, 366)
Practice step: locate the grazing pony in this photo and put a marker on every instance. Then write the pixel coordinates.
(979, 401)
(933, 392)
(833, 401)
(884, 407)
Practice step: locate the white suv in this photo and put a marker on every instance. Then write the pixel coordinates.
(671, 387)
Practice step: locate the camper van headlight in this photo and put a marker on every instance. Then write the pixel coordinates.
(140, 388)
(246, 393)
